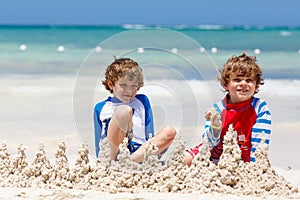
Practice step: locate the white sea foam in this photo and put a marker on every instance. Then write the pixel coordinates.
(285, 33)
(42, 108)
(284, 88)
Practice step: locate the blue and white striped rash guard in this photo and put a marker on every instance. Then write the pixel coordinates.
(142, 119)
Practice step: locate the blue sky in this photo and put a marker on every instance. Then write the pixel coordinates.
(152, 12)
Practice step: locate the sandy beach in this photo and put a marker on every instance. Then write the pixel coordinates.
(282, 154)
(49, 190)
(33, 193)
(52, 60)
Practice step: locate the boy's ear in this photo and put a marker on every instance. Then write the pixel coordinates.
(256, 88)
(225, 85)
(110, 84)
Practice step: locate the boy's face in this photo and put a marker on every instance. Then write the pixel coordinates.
(124, 89)
(240, 87)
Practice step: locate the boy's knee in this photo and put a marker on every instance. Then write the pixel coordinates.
(170, 132)
(123, 112)
(188, 158)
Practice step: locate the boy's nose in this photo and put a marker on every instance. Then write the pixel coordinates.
(128, 90)
(243, 82)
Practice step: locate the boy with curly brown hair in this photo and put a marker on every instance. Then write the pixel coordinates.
(126, 113)
(250, 116)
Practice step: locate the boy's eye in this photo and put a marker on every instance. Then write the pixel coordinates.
(237, 80)
(122, 85)
(135, 86)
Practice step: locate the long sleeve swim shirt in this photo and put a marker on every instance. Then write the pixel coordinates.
(250, 119)
(142, 119)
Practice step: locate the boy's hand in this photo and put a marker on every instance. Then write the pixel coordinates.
(215, 117)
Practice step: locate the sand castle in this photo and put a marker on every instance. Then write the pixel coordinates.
(230, 176)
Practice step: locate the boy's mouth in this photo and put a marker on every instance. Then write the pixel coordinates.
(243, 90)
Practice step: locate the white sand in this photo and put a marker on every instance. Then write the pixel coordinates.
(231, 178)
(33, 193)
(48, 118)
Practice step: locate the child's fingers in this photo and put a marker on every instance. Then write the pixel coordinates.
(208, 114)
(216, 119)
(215, 116)
(212, 115)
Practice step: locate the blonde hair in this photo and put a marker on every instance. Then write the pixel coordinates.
(123, 68)
(243, 65)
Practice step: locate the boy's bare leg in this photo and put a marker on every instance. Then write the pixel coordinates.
(188, 159)
(162, 140)
(120, 124)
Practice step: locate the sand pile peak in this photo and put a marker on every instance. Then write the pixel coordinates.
(230, 175)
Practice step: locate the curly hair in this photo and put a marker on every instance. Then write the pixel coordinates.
(242, 65)
(123, 68)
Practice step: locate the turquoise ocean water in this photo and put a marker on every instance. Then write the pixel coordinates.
(50, 77)
(62, 49)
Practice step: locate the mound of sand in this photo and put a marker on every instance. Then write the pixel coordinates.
(231, 176)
